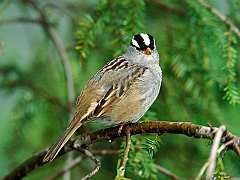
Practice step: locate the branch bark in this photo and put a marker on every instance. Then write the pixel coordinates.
(221, 16)
(160, 127)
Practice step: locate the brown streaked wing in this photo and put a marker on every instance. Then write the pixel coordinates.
(119, 74)
(105, 103)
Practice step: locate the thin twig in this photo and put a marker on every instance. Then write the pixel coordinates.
(45, 94)
(21, 20)
(234, 144)
(68, 72)
(102, 152)
(93, 158)
(61, 49)
(125, 156)
(70, 87)
(28, 84)
(75, 162)
(68, 47)
(167, 172)
(202, 170)
(66, 168)
(214, 152)
(222, 17)
(167, 8)
(236, 148)
(60, 9)
(1, 48)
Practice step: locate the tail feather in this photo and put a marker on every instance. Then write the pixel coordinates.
(53, 151)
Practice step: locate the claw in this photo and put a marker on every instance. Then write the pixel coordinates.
(120, 129)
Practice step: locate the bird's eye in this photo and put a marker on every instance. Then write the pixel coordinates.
(151, 46)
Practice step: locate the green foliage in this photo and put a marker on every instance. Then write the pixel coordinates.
(140, 164)
(225, 40)
(219, 174)
(89, 28)
(112, 19)
(122, 24)
(230, 53)
(152, 145)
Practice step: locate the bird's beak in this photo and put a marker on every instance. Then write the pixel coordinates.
(147, 51)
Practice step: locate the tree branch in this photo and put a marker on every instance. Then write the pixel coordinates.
(68, 167)
(214, 152)
(202, 170)
(61, 49)
(167, 8)
(36, 90)
(65, 61)
(93, 158)
(221, 16)
(103, 152)
(21, 20)
(167, 172)
(77, 161)
(125, 156)
(184, 128)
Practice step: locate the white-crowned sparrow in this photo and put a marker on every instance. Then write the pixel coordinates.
(121, 92)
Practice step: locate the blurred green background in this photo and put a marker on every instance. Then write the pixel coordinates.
(200, 63)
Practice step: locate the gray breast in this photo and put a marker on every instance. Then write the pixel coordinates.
(150, 87)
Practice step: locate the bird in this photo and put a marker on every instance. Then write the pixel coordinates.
(119, 93)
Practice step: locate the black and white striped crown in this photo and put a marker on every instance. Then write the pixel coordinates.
(143, 41)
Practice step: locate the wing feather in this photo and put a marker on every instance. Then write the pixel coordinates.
(108, 86)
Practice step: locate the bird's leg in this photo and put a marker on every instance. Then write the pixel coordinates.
(120, 129)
